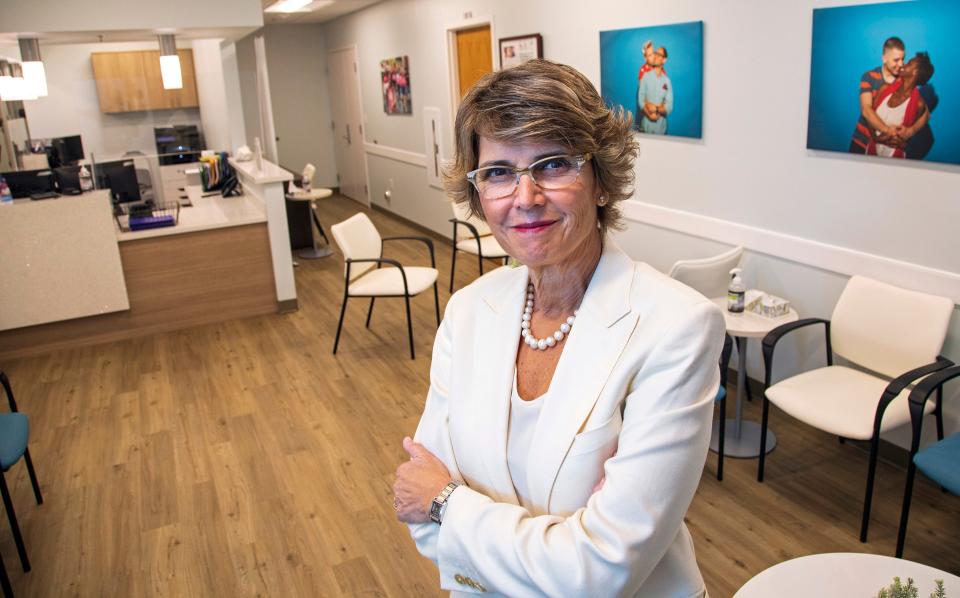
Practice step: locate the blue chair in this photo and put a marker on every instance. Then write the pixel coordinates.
(14, 431)
(939, 460)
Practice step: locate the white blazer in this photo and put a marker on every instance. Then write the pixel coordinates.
(638, 376)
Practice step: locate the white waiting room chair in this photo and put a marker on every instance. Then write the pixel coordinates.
(368, 274)
(895, 334)
(472, 235)
(711, 277)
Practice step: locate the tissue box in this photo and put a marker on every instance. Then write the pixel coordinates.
(766, 305)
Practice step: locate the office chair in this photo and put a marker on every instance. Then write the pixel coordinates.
(14, 431)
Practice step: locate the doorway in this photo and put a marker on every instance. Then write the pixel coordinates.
(474, 56)
(347, 124)
(469, 56)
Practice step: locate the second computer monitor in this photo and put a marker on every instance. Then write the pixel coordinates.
(121, 178)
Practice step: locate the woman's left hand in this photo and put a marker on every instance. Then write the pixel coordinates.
(419, 481)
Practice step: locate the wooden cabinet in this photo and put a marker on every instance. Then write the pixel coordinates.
(131, 81)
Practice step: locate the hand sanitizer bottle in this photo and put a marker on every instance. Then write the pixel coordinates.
(86, 181)
(736, 292)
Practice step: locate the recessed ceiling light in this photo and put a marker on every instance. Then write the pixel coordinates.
(297, 5)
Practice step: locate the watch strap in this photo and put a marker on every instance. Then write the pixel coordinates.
(436, 507)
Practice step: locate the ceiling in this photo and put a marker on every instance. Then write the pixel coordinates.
(325, 13)
(128, 35)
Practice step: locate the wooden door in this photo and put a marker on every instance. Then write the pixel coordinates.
(474, 56)
(347, 117)
(120, 81)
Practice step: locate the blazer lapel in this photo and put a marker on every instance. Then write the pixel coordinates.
(499, 323)
(604, 324)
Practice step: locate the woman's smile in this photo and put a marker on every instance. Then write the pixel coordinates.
(535, 227)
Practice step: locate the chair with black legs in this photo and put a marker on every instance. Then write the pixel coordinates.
(14, 432)
(941, 460)
(362, 249)
(721, 398)
(472, 235)
(5, 581)
(892, 336)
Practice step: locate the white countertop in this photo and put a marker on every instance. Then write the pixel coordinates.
(207, 213)
(271, 173)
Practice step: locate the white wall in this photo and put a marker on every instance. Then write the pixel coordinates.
(211, 93)
(297, 64)
(751, 167)
(72, 106)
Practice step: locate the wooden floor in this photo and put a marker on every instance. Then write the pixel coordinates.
(243, 459)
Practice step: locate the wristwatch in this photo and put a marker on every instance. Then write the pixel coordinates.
(436, 507)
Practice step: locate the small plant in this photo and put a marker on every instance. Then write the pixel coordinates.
(898, 590)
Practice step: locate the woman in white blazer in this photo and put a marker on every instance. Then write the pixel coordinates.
(570, 400)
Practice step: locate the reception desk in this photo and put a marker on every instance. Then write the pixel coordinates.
(101, 284)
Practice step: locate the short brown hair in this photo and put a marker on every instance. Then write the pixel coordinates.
(894, 43)
(541, 100)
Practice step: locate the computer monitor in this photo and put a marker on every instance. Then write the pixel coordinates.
(67, 178)
(24, 183)
(69, 148)
(121, 178)
(61, 151)
(179, 144)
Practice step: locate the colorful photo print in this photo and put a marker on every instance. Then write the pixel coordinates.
(395, 80)
(884, 81)
(657, 74)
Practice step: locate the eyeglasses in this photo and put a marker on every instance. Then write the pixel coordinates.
(554, 172)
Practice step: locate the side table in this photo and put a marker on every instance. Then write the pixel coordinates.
(312, 196)
(744, 441)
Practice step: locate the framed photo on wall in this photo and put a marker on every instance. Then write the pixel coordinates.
(395, 81)
(519, 49)
(883, 81)
(656, 73)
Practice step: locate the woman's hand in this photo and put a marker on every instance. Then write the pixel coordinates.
(419, 481)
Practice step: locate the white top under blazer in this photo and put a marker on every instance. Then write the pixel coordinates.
(638, 376)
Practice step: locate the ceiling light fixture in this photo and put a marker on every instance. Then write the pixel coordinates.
(13, 87)
(170, 62)
(33, 71)
(297, 5)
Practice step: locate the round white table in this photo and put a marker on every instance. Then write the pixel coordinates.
(742, 440)
(842, 575)
(312, 196)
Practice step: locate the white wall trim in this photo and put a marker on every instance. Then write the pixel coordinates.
(834, 258)
(395, 153)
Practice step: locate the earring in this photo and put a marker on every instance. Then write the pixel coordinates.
(602, 201)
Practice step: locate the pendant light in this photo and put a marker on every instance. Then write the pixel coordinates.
(33, 71)
(13, 87)
(170, 62)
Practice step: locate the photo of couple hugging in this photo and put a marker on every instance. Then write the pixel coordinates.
(896, 102)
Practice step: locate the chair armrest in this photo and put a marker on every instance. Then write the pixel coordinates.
(773, 337)
(428, 242)
(925, 388)
(7, 388)
(378, 261)
(922, 391)
(473, 230)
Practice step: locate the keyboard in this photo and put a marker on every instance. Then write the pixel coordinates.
(44, 195)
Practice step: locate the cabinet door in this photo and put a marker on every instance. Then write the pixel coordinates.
(160, 98)
(120, 81)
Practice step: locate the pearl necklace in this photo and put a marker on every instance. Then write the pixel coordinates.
(542, 344)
